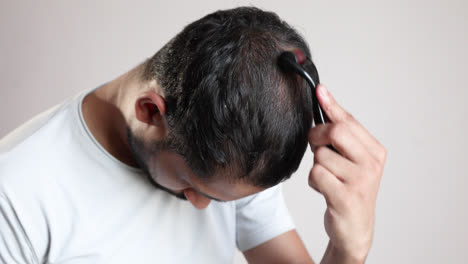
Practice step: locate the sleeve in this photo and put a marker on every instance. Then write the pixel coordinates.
(15, 246)
(261, 217)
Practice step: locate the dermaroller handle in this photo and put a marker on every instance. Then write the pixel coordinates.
(292, 61)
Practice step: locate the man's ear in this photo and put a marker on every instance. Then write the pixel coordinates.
(151, 109)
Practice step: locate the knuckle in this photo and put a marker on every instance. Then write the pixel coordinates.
(315, 173)
(382, 154)
(335, 131)
(320, 152)
(349, 117)
(375, 166)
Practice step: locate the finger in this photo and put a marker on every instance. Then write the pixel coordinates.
(334, 163)
(323, 181)
(341, 138)
(328, 103)
(370, 143)
(337, 114)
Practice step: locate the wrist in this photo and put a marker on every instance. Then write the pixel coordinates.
(342, 257)
(334, 255)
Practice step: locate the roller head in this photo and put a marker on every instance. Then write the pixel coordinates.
(299, 54)
(291, 61)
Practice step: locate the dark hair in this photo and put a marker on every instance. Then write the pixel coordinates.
(231, 111)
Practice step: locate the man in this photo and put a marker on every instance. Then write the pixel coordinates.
(210, 119)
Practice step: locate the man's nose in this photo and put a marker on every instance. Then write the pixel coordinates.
(197, 200)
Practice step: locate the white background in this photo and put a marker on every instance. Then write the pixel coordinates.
(398, 66)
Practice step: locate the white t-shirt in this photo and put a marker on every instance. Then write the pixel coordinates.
(65, 199)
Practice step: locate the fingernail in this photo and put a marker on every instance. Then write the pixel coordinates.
(324, 93)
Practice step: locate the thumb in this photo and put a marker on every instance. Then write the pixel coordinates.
(332, 109)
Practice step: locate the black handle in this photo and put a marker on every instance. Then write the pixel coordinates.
(290, 62)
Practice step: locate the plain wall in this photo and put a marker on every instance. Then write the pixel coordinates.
(398, 66)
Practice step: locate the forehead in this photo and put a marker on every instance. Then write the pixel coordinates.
(219, 186)
(222, 189)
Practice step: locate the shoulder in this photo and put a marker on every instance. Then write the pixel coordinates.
(23, 150)
(261, 217)
(31, 154)
(271, 195)
(29, 160)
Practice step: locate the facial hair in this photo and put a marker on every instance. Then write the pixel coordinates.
(139, 151)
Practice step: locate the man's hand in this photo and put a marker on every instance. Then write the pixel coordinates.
(349, 181)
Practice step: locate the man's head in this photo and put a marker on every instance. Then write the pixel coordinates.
(223, 111)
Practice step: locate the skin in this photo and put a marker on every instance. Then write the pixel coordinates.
(349, 182)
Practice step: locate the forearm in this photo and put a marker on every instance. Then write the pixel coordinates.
(332, 255)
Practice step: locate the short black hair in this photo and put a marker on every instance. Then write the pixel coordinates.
(231, 111)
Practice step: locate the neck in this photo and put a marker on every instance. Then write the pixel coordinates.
(107, 112)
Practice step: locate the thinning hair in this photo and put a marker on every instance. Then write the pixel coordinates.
(231, 111)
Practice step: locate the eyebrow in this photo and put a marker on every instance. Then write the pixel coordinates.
(207, 196)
